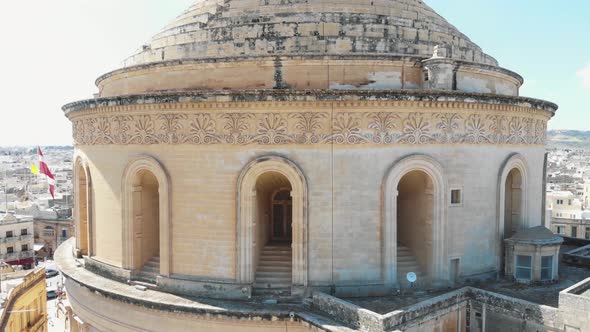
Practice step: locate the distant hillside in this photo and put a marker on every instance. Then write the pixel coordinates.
(573, 139)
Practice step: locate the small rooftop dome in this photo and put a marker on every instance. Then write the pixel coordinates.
(539, 234)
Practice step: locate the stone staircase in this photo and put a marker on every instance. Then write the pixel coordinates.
(273, 275)
(151, 269)
(407, 262)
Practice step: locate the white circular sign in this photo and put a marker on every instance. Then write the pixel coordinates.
(411, 276)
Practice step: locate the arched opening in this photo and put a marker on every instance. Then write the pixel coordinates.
(274, 211)
(146, 219)
(146, 225)
(272, 223)
(83, 210)
(414, 223)
(415, 205)
(513, 203)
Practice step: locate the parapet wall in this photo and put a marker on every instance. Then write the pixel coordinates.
(469, 309)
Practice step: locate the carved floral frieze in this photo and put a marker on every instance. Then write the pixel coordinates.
(280, 128)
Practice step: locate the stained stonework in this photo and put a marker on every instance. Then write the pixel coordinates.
(311, 127)
(331, 104)
(237, 27)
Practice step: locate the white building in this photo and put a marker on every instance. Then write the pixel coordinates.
(16, 240)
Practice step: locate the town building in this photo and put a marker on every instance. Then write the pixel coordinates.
(50, 233)
(567, 216)
(16, 240)
(25, 307)
(294, 149)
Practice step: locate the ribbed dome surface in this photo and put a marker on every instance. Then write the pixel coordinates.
(228, 28)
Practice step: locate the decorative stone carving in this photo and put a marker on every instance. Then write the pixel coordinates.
(280, 128)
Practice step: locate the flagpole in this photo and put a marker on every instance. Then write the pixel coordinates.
(5, 192)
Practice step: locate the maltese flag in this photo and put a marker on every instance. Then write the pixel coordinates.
(43, 169)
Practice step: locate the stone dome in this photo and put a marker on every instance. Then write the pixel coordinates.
(321, 45)
(228, 28)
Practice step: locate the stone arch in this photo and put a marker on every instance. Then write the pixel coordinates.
(83, 213)
(515, 165)
(130, 185)
(246, 211)
(434, 170)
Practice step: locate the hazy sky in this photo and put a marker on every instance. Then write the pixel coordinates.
(52, 51)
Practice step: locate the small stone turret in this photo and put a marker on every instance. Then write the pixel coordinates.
(532, 255)
(441, 73)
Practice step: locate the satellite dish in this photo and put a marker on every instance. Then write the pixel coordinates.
(411, 276)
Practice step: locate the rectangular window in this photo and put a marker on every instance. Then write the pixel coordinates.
(574, 231)
(10, 250)
(9, 234)
(524, 267)
(560, 230)
(23, 231)
(560, 202)
(547, 268)
(25, 247)
(456, 198)
(569, 202)
(587, 235)
(64, 233)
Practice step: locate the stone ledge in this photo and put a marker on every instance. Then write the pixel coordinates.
(172, 97)
(156, 300)
(299, 57)
(106, 270)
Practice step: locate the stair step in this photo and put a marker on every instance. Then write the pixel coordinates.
(276, 252)
(275, 259)
(273, 274)
(273, 279)
(147, 274)
(274, 268)
(152, 263)
(285, 264)
(145, 278)
(150, 271)
(269, 285)
(283, 291)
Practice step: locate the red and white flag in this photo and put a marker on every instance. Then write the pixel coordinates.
(43, 169)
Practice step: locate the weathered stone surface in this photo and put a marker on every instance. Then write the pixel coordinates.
(238, 27)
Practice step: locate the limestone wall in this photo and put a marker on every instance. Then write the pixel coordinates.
(345, 171)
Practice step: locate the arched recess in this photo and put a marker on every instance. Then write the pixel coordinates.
(437, 270)
(132, 187)
(512, 195)
(83, 212)
(247, 217)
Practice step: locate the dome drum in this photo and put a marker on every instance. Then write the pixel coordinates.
(291, 146)
(299, 72)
